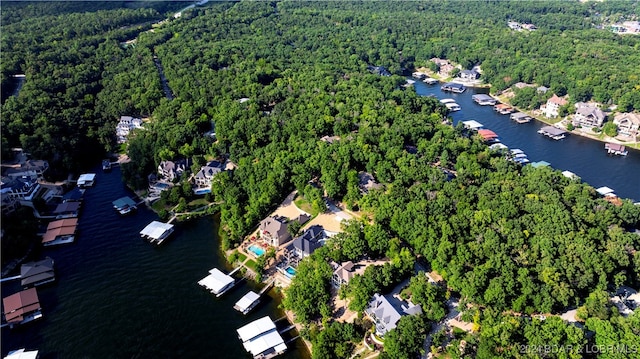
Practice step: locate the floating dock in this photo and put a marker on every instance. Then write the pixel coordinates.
(453, 87)
(552, 132)
(484, 100)
(124, 205)
(430, 81)
(472, 125)
(503, 109)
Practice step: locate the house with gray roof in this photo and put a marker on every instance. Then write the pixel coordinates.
(628, 124)
(385, 315)
(313, 238)
(274, 230)
(343, 273)
(588, 115)
(204, 177)
(171, 170)
(469, 74)
(125, 126)
(366, 182)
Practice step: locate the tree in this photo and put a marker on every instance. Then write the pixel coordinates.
(405, 341)
(610, 129)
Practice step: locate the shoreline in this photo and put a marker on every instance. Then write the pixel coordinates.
(633, 145)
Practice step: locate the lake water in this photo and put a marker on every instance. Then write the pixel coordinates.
(585, 157)
(117, 296)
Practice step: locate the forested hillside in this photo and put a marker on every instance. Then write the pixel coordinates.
(506, 238)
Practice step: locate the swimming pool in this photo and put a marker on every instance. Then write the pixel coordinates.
(290, 272)
(200, 191)
(256, 250)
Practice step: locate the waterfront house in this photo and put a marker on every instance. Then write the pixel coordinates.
(203, 178)
(171, 170)
(27, 168)
(14, 191)
(385, 315)
(628, 124)
(551, 108)
(588, 115)
(313, 238)
(469, 74)
(521, 85)
(125, 126)
(22, 307)
(542, 89)
(343, 273)
(379, 70)
(367, 183)
(274, 230)
(33, 274)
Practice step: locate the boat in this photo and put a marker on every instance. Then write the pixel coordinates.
(615, 149)
(106, 165)
(445, 101)
(453, 87)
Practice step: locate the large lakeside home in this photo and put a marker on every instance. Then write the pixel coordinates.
(385, 315)
(125, 126)
(588, 115)
(628, 124)
(551, 108)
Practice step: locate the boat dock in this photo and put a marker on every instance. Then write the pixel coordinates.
(156, 232)
(552, 132)
(503, 109)
(520, 117)
(251, 299)
(484, 100)
(217, 282)
(615, 149)
(453, 87)
(262, 339)
(124, 205)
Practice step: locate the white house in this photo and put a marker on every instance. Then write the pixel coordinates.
(170, 170)
(553, 105)
(125, 126)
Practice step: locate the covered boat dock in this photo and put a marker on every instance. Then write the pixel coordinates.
(124, 205)
(157, 232)
(521, 117)
(37, 273)
(615, 149)
(484, 100)
(472, 125)
(261, 338)
(552, 132)
(217, 282)
(60, 232)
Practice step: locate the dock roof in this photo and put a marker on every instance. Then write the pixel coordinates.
(39, 271)
(256, 328)
(67, 207)
(472, 124)
(86, 177)
(604, 190)
(540, 164)
(22, 354)
(260, 336)
(570, 175)
(614, 146)
(247, 300)
(487, 134)
(552, 131)
(519, 115)
(216, 281)
(482, 97)
(52, 234)
(156, 230)
(123, 202)
(16, 306)
(68, 222)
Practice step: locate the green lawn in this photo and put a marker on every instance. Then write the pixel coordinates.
(304, 205)
(252, 264)
(158, 205)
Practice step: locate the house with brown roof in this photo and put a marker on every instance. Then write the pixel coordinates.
(274, 230)
(22, 307)
(343, 273)
(628, 124)
(588, 115)
(553, 105)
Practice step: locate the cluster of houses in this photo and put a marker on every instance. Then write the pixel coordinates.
(170, 171)
(514, 25)
(627, 27)
(445, 68)
(125, 126)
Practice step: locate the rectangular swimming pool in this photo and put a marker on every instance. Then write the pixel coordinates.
(256, 250)
(290, 272)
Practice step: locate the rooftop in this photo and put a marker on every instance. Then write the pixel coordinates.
(216, 281)
(156, 230)
(19, 304)
(260, 336)
(247, 300)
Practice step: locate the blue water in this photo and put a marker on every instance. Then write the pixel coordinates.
(256, 250)
(291, 271)
(585, 157)
(117, 296)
